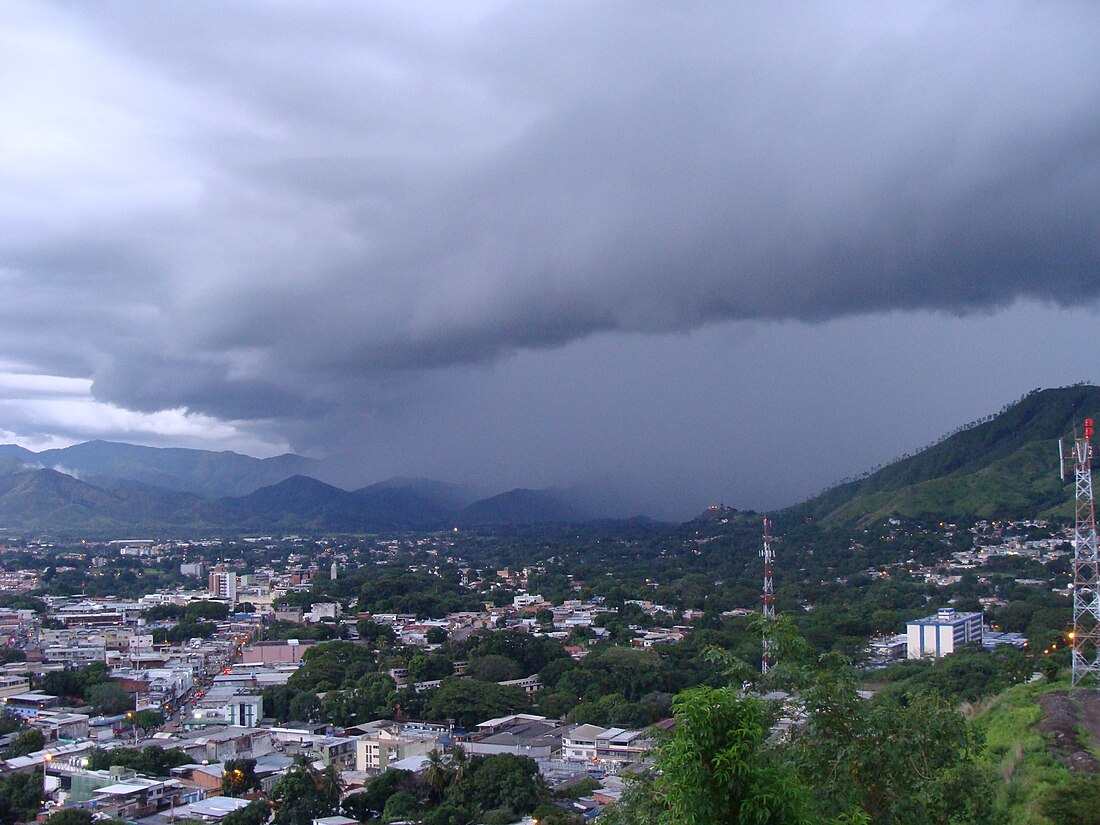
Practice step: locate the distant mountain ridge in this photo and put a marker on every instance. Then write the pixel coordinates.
(521, 506)
(201, 472)
(118, 491)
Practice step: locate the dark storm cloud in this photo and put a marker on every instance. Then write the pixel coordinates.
(262, 210)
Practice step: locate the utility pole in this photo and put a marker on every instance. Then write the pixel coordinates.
(1086, 571)
(768, 611)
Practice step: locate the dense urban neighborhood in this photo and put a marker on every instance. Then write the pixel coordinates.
(153, 681)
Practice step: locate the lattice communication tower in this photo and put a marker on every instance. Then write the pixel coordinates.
(1086, 570)
(767, 552)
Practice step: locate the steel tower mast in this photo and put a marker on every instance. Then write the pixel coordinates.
(1086, 570)
(768, 554)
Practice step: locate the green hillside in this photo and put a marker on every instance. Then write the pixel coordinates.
(1003, 467)
(1040, 742)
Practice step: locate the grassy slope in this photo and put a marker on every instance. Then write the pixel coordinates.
(1017, 753)
(1024, 483)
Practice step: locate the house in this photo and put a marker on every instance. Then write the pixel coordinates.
(593, 744)
(381, 744)
(136, 797)
(207, 777)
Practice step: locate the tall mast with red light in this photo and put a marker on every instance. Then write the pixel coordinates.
(1086, 565)
(768, 554)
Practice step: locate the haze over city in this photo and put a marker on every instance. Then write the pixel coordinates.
(679, 254)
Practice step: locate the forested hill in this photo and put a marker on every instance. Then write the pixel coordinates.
(1005, 466)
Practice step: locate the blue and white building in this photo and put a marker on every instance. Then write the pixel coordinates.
(942, 633)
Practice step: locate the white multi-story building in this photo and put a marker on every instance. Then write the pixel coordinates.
(579, 745)
(223, 584)
(590, 743)
(246, 711)
(527, 600)
(195, 569)
(228, 705)
(323, 610)
(942, 633)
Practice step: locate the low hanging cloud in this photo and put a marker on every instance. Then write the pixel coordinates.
(255, 212)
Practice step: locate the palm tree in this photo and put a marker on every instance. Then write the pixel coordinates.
(438, 774)
(329, 786)
(460, 763)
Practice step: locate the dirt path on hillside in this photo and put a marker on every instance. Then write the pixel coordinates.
(1071, 726)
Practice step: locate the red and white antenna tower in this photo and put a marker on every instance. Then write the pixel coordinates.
(768, 554)
(1086, 570)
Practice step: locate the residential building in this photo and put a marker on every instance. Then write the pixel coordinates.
(275, 652)
(222, 584)
(229, 743)
(382, 743)
(13, 685)
(593, 744)
(885, 649)
(530, 684)
(335, 750)
(992, 639)
(136, 797)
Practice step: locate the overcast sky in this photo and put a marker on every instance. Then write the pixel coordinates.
(686, 252)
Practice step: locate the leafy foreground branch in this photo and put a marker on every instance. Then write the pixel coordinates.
(896, 759)
(717, 767)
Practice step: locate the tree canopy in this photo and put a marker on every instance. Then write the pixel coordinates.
(304, 794)
(239, 777)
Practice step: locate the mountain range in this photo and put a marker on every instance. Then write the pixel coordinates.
(105, 487)
(1003, 466)
(200, 472)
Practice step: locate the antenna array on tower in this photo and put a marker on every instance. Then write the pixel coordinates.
(768, 554)
(1086, 570)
